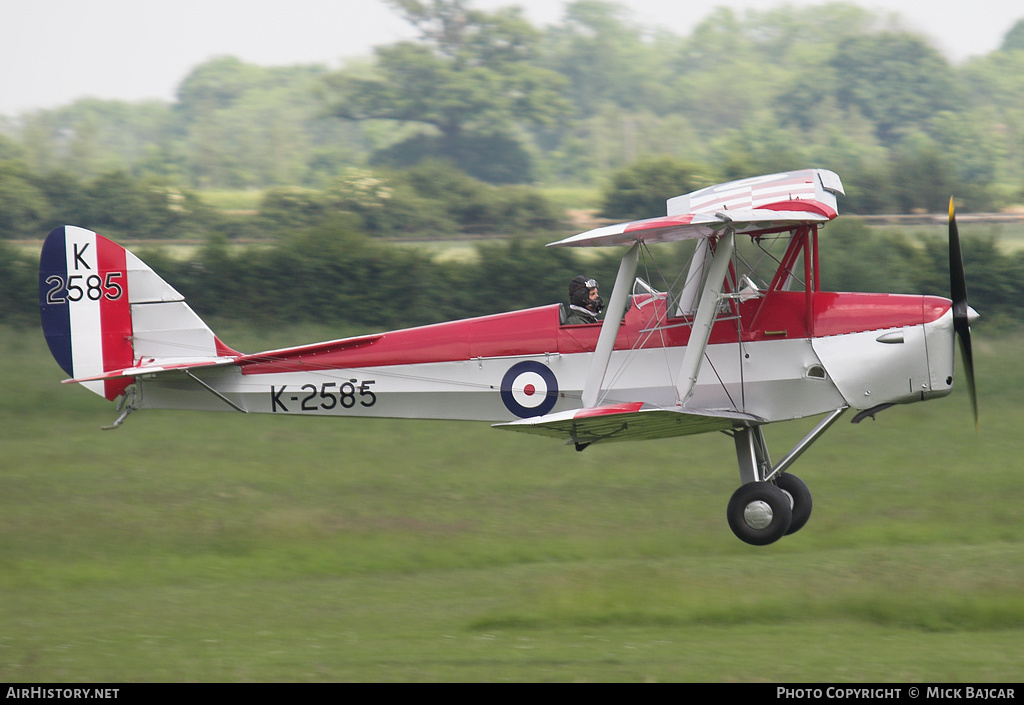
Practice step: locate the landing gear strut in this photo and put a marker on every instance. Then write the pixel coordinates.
(770, 503)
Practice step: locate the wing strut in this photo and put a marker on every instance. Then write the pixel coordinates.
(705, 318)
(610, 327)
(689, 299)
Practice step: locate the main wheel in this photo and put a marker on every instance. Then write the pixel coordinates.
(760, 513)
(801, 499)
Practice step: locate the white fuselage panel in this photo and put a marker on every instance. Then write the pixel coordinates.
(773, 380)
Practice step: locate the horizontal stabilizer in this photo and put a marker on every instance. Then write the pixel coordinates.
(285, 359)
(634, 421)
(155, 367)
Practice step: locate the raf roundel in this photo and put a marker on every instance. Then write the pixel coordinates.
(529, 389)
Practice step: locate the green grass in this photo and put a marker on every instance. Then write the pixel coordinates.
(232, 200)
(248, 199)
(1009, 235)
(573, 197)
(222, 547)
(459, 251)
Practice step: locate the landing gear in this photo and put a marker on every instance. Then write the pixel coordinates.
(760, 513)
(801, 498)
(770, 503)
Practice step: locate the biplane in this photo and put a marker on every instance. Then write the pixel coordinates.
(742, 337)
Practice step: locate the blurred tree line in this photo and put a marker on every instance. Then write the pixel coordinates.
(432, 198)
(333, 273)
(464, 129)
(747, 93)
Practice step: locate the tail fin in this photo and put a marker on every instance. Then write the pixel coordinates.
(104, 309)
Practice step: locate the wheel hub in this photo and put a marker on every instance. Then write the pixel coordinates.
(758, 515)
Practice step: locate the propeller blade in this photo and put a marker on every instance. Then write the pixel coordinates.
(958, 293)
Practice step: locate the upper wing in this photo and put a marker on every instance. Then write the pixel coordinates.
(633, 421)
(757, 205)
(691, 226)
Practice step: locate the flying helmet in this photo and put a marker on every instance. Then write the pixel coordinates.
(579, 293)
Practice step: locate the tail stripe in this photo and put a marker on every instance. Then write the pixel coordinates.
(56, 314)
(86, 327)
(115, 312)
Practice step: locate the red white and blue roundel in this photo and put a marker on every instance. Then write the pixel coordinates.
(529, 389)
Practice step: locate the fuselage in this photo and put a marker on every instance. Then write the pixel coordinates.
(780, 356)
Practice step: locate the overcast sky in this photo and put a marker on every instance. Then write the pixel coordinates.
(55, 51)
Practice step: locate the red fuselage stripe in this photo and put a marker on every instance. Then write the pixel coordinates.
(537, 331)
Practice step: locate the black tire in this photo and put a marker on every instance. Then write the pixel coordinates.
(801, 500)
(759, 513)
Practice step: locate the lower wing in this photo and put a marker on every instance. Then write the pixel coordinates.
(634, 421)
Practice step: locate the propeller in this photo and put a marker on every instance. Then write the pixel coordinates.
(962, 313)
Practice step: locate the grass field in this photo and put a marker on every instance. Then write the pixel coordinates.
(1009, 235)
(222, 547)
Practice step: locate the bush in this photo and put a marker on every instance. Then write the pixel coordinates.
(496, 159)
(19, 283)
(640, 190)
(432, 198)
(22, 205)
(476, 207)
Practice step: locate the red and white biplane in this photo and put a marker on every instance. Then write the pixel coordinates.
(742, 338)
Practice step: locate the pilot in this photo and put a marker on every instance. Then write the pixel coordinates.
(584, 302)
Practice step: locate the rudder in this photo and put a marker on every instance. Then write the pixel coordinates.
(104, 309)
